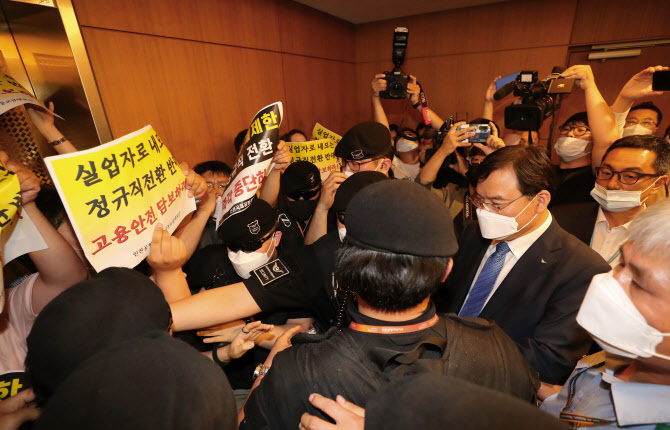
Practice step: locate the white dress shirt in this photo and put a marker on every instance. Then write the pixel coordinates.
(517, 248)
(607, 242)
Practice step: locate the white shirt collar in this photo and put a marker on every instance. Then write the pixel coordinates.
(638, 403)
(601, 218)
(521, 244)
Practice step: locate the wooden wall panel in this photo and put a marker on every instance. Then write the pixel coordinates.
(620, 21)
(198, 71)
(275, 25)
(306, 31)
(508, 25)
(248, 23)
(196, 95)
(319, 91)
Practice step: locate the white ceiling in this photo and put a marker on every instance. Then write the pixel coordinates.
(362, 11)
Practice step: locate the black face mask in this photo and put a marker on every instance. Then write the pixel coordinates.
(301, 209)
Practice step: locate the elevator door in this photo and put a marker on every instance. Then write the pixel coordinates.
(34, 49)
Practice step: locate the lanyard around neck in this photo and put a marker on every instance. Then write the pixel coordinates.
(391, 329)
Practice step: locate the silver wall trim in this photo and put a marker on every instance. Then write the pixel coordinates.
(86, 75)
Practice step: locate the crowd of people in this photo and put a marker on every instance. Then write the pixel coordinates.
(430, 282)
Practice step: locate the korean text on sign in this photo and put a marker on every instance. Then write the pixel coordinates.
(321, 132)
(253, 162)
(114, 194)
(321, 153)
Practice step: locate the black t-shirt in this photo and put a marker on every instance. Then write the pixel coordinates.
(294, 280)
(209, 268)
(357, 364)
(574, 186)
(293, 231)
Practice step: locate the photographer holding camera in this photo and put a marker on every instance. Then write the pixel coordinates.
(583, 140)
(511, 137)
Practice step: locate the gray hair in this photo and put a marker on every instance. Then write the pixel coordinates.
(649, 229)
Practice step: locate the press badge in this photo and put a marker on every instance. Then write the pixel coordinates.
(270, 272)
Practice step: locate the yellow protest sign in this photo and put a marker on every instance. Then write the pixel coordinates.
(10, 196)
(12, 94)
(321, 132)
(115, 193)
(321, 153)
(10, 199)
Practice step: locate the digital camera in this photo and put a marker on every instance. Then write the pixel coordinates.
(538, 101)
(482, 133)
(397, 80)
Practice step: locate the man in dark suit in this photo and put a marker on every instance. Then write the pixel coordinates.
(518, 267)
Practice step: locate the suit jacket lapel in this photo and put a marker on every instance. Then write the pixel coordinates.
(535, 260)
(468, 262)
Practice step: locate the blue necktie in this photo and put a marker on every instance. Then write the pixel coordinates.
(485, 282)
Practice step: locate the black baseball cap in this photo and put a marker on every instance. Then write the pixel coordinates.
(401, 217)
(300, 176)
(365, 140)
(249, 228)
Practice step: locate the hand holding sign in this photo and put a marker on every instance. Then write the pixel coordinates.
(12, 94)
(168, 253)
(282, 157)
(256, 154)
(29, 183)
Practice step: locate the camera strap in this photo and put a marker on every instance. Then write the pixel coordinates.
(425, 112)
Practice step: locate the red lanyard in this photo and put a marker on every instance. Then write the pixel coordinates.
(391, 329)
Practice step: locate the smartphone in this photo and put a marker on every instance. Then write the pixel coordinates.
(482, 133)
(506, 80)
(661, 81)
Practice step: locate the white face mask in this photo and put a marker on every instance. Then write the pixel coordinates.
(571, 148)
(497, 226)
(614, 322)
(404, 145)
(618, 200)
(245, 262)
(636, 130)
(342, 232)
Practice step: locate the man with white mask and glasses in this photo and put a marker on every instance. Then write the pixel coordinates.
(518, 267)
(582, 141)
(626, 312)
(633, 169)
(645, 117)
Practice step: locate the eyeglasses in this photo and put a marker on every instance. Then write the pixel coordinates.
(305, 195)
(580, 130)
(340, 217)
(220, 186)
(647, 123)
(479, 202)
(352, 165)
(249, 245)
(626, 177)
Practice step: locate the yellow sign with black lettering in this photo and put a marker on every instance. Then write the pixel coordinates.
(116, 192)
